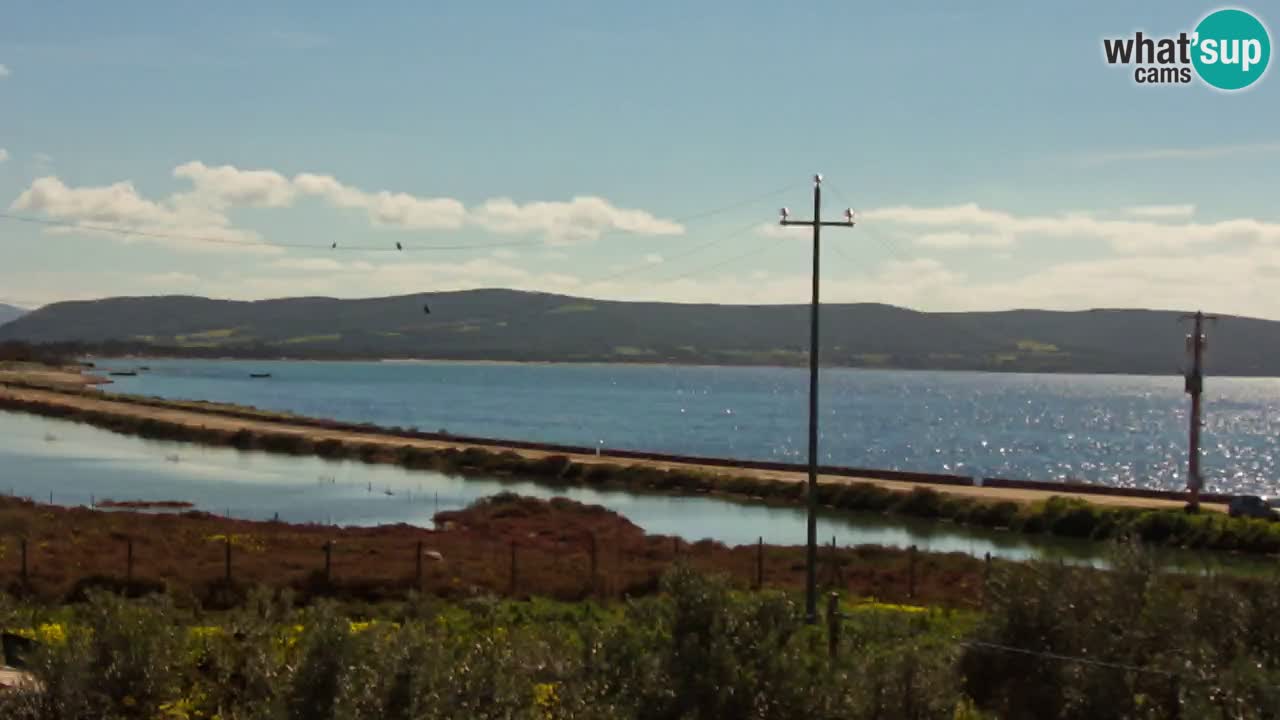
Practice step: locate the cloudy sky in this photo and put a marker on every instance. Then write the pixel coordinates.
(628, 150)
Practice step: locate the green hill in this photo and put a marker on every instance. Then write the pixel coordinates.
(514, 325)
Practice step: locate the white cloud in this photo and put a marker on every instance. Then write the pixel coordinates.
(386, 208)
(119, 211)
(957, 240)
(580, 219)
(653, 258)
(215, 190)
(774, 230)
(171, 279)
(1127, 236)
(1185, 153)
(1162, 211)
(1154, 280)
(4, 71)
(505, 254)
(118, 203)
(225, 186)
(308, 264)
(4, 155)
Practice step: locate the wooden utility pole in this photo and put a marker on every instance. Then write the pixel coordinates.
(1194, 387)
(811, 571)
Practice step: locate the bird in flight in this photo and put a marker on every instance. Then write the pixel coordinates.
(399, 246)
(426, 309)
(333, 246)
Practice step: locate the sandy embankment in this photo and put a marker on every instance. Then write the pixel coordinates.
(69, 379)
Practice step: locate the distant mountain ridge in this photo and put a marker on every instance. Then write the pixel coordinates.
(526, 326)
(9, 312)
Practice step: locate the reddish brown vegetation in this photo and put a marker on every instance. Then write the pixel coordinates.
(70, 549)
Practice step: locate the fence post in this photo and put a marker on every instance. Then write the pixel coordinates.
(328, 561)
(514, 573)
(417, 568)
(1175, 698)
(227, 558)
(760, 563)
(835, 563)
(911, 572)
(591, 547)
(833, 625)
(986, 577)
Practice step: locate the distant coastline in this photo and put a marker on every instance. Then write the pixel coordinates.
(509, 326)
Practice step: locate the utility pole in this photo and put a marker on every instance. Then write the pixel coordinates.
(811, 558)
(1194, 386)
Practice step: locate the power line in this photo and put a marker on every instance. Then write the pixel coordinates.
(639, 267)
(74, 225)
(633, 270)
(741, 203)
(338, 246)
(1045, 655)
(718, 264)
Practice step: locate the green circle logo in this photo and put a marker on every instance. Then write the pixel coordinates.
(1232, 49)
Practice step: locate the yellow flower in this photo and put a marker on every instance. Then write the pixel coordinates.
(889, 607)
(45, 634)
(205, 632)
(545, 698)
(52, 634)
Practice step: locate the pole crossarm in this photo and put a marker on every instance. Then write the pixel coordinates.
(824, 223)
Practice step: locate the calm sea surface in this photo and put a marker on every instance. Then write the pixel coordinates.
(1119, 430)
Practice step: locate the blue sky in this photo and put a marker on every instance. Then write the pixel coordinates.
(994, 158)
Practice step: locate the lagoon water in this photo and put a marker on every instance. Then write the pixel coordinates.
(1119, 430)
(70, 464)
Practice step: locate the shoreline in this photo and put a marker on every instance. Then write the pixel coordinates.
(654, 363)
(1159, 522)
(226, 417)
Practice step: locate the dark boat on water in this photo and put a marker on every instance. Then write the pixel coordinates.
(123, 373)
(259, 375)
